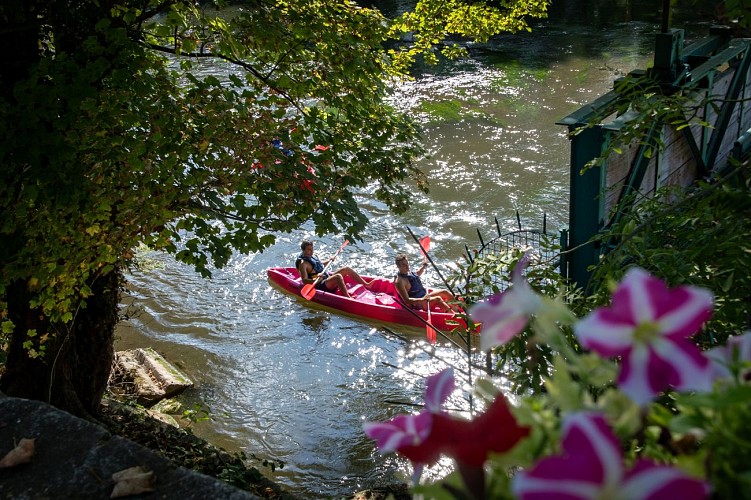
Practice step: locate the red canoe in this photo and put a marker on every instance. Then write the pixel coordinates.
(379, 303)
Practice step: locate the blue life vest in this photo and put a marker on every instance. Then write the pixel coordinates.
(313, 261)
(416, 289)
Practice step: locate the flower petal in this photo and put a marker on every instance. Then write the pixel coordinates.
(648, 480)
(606, 332)
(722, 358)
(504, 315)
(501, 332)
(587, 435)
(428, 451)
(495, 430)
(516, 275)
(636, 295)
(634, 379)
(526, 486)
(438, 388)
(691, 367)
(401, 431)
(591, 463)
(684, 311)
(648, 370)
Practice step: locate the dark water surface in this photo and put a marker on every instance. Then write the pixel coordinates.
(293, 383)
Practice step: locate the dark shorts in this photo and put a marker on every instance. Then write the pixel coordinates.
(321, 285)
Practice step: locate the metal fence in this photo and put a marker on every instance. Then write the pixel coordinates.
(545, 246)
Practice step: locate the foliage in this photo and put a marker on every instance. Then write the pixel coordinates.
(119, 130)
(684, 439)
(149, 151)
(198, 413)
(698, 237)
(432, 21)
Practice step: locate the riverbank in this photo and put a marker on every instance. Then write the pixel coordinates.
(138, 381)
(184, 449)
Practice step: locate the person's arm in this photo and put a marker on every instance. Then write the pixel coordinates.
(422, 269)
(304, 275)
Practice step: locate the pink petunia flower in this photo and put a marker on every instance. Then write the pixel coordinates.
(424, 437)
(506, 314)
(737, 349)
(411, 430)
(592, 467)
(649, 326)
(400, 432)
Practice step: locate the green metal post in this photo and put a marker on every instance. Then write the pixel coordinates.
(584, 208)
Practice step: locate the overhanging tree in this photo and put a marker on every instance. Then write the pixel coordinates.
(115, 134)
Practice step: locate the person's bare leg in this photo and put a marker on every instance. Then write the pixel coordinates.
(338, 280)
(348, 271)
(442, 298)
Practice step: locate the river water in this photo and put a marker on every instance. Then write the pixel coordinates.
(288, 382)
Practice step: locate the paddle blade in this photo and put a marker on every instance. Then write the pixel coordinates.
(429, 330)
(425, 247)
(431, 334)
(308, 291)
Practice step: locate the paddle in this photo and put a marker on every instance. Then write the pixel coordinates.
(429, 330)
(309, 290)
(424, 249)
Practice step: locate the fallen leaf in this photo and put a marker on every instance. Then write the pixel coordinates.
(21, 454)
(133, 481)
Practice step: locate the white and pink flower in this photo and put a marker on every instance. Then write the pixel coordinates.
(505, 314)
(648, 326)
(592, 467)
(732, 359)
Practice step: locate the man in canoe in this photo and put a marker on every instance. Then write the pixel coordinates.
(411, 290)
(309, 267)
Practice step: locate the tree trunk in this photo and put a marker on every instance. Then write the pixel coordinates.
(73, 372)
